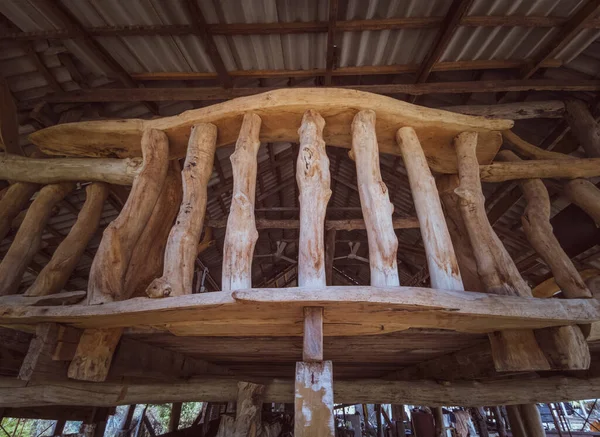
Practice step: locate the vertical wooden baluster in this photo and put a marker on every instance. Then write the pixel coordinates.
(182, 245)
(241, 233)
(314, 383)
(375, 202)
(441, 260)
(29, 236)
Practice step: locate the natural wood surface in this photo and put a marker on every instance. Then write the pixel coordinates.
(532, 421)
(583, 125)
(281, 112)
(517, 426)
(585, 195)
(565, 347)
(241, 233)
(494, 265)
(441, 260)
(537, 228)
(14, 393)
(51, 171)
(558, 168)
(336, 225)
(549, 287)
(57, 272)
(62, 298)
(182, 245)
(347, 309)
(29, 236)
(107, 274)
(530, 151)
(94, 354)
(12, 203)
(375, 201)
(313, 400)
(515, 350)
(513, 111)
(39, 364)
(146, 263)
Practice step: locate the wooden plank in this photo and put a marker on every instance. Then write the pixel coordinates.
(457, 10)
(313, 400)
(281, 112)
(14, 393)
(277, 311)
(514, 111)
(46, 171)
(94, 354)
(330, 225)
(312, 349)
(72, 412)
(38, 363)
(63, 298)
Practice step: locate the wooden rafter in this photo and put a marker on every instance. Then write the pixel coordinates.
(200, 29)
(331, 47)
(294, 27)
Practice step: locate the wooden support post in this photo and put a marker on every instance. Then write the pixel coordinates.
(517, 427)
(375, 202)
(39, 364)
(241, 233)
(441, 260)
(532, 421)
(398, 419)
(584, 126)
(479, 421)
(107, 274)
(174, 417)
(94, 354)
(182, 246)
(500, 427)
(438, 418)
(146, 262)
(12, 203)
(314, 383)
(29, 237)
(56, 273)
(330, 235)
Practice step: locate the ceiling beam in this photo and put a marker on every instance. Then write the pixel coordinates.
(566, 34)
(212, 93)
(200, 28)
(292, 27)
(458, 9)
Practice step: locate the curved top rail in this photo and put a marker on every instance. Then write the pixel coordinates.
(281, 113)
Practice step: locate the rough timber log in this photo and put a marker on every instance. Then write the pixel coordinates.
(51, 171)
(94, 354)
(513, 111)
(513, 349)
(375, 201)
(314, 377)
(281, 112)
(241, 233)
(441, 261)
(107, 274)
(584, 126)
(559, 168)
(12, 203)
(29, 237)
(335, 225)
(57, 272)
(14, 393)
(182, 245)
(146, 262)
(537, 227)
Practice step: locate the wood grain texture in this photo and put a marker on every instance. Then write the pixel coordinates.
(585, 195)
(312, 346)
(584, 126)
(94, 354)
(51, 171)
(313, 400)
(514, 111)
(441, 260)
(29, 236)
(39, 364)
(57, 272)
(12, 203)
(281, 112)
(558, 168)
(107, 274)
(517, 349)
(241, 233)
(146, 263)
(375, 201)
(182, 245)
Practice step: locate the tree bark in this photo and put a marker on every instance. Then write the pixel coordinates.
(375, 202)
(107, 274)
(29, 237)
(12, 203)
(57, 272)
(182, 245)
(441, 260)
(52, 171)
(241, 233)
(584, 126)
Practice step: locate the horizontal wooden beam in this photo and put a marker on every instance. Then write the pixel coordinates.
(14, 393)
(363, 70)
(215, 93)
(51, 412)
(534, 169)
(50, 171)
(292, 27)
(513, 111)
(338, 225)
(279, 311)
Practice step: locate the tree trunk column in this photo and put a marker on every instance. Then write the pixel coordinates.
(314, 377)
